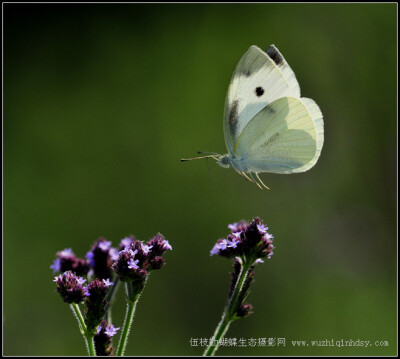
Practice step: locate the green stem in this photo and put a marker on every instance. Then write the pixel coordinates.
(77, 312)
(219, 333)
(132, 296)
(130, 311)
(229, 313)
(88, 337)
(90, 345)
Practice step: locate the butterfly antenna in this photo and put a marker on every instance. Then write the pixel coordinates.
(199, 158)
(261, 181)
(207, 153)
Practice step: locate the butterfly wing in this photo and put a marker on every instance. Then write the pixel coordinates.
(284, 137)
(258, 79)
(286, 70)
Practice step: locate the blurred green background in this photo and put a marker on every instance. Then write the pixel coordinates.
(100, 103)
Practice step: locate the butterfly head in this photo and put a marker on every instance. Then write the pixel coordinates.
(224, 161)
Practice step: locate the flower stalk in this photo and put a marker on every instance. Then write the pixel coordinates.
(248, 244)
(129, 314)
(88, 336)
(229, 314)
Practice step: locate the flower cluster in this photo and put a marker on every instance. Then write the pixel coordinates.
(137, 258)
(96, 265)
(95, 302)
(70, 287)
(247, 241)
(103, 266)
(102, 339)
(101, 258)
(67, 261)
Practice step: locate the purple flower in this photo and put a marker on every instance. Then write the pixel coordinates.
(136, 258)
(89, 256)
(233, 226)
(86, 291)
(103, 337)
(66, 261)
(67, 252)
(107, 282)
(105, 245)
(56, 266)
(69, 286)
(146, 248)
(127, 266)
(237, 234)
(96, 302)
(261, 228)
(232, 244)
(113, 254)
(101, 257)
(214, 250)
(81, 280)
(249, 241)
(167, 246)
(237, 226)
(111, 330)
(126, 242)
(268, 236)
(133, 264)
(249, 244)
(159, 245)
(219, 247)
(129, 251)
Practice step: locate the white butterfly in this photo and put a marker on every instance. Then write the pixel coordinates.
(268, 127)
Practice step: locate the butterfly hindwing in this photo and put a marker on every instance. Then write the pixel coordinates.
(284, 137)
(259, 78)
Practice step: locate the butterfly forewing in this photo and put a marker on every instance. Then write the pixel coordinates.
(284, 137)
(259, 78)
(286, 70)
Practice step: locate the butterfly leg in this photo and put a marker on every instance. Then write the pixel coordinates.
(242, 174)
(251, 175)
(246, 176)
(261, 181)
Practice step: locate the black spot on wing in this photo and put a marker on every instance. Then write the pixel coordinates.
(271, 140)
(275, 56)
(259, 91)
(233, 118)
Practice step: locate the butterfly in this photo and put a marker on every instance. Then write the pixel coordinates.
(268, 127)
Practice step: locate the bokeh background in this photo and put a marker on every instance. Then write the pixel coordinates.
(100, 103)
